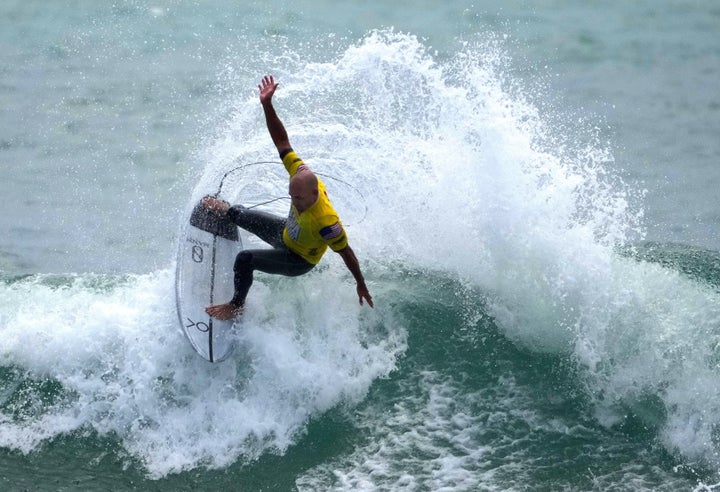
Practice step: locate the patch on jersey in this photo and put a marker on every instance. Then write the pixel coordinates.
(292, 226)
(331, 232)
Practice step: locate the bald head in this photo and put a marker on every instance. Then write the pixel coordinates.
(303, 189)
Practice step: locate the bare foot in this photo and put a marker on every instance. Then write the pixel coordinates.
(215, 205)
(224, 311)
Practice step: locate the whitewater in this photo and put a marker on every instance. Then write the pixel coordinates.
(516, 299)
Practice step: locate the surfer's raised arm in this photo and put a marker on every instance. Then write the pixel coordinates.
(275, 127)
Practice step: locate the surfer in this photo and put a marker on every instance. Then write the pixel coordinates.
(299, 241)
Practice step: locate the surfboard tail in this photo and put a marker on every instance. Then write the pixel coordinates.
(208, 221)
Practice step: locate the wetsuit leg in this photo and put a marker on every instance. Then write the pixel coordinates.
(279, 261)
(266, 226)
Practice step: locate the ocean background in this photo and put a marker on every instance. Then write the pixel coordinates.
(531, 189)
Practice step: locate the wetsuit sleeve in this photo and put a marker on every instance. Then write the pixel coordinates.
(234, 213)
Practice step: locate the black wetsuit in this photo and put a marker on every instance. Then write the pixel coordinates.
(278, 260)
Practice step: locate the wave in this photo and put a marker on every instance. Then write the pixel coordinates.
(104, 354)
(700, 264)
(458, 173)
(463, 173)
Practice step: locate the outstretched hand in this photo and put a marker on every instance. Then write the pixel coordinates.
(267, 88)
(348, 256)
(363, 293)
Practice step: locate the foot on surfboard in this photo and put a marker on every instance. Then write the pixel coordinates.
(215, 205)
(224, 311)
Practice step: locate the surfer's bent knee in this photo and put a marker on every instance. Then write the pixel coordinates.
(243, 260)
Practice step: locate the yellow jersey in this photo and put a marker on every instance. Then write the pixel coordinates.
(310, 233)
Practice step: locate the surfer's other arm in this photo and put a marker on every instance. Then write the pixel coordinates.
(275, 127)
(351, 261)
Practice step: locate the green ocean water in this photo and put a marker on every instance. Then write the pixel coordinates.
(530, 189)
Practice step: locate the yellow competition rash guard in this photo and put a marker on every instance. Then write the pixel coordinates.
(310, 233)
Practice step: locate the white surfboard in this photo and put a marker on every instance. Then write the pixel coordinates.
(204, 277)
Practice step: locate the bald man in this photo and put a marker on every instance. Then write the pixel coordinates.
(299, 241)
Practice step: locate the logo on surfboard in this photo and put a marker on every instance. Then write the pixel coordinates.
(199, 326)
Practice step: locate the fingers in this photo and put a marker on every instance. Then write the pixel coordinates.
(369, 301)
(268, 82)
(366, 296)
